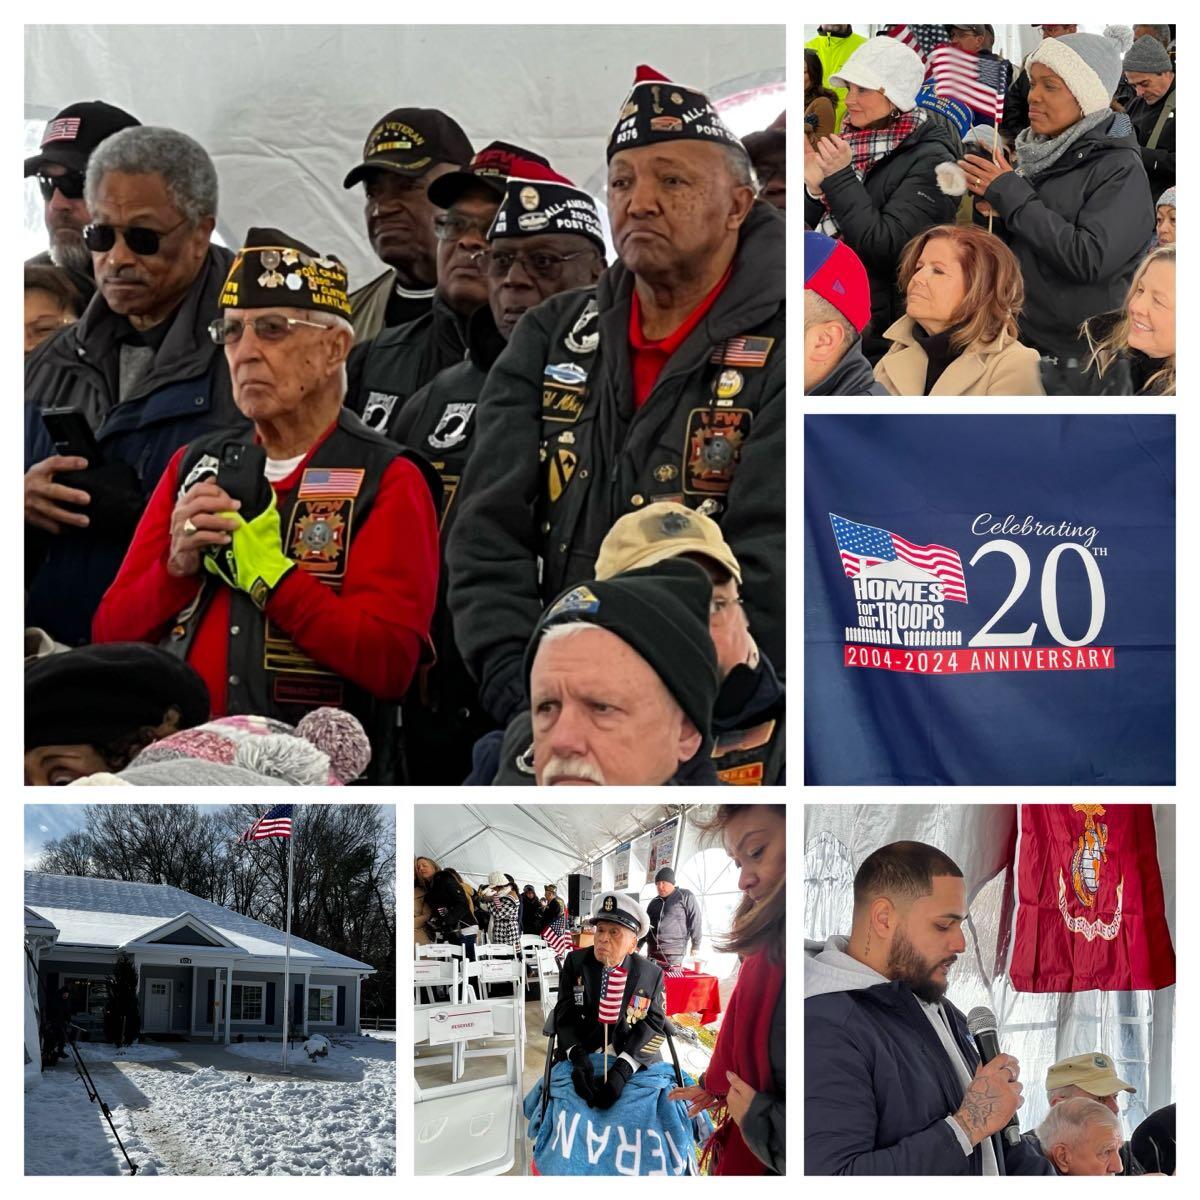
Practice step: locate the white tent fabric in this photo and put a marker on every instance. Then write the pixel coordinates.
(284, 110)
(1135, 1028)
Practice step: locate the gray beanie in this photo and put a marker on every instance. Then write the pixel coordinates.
(1089, 64)
(1167, 199)
(1149, 56)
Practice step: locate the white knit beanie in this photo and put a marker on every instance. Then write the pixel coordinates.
(1088, 64)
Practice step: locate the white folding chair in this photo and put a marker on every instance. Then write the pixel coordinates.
(548, 972)
(473, 1127)
(491, 952)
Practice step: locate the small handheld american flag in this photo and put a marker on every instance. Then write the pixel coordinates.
(614, 993)
(559, 942)
(275, 823)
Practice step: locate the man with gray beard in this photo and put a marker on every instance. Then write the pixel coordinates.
(60, 166)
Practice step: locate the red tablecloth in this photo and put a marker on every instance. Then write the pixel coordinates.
(691, 992)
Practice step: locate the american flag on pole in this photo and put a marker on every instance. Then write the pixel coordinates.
(609, 1009)
(977, 79)
(275, 823)
(863, 546)
(921, 39)
(558, 941)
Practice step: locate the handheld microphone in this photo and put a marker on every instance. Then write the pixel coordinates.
(981, 1021)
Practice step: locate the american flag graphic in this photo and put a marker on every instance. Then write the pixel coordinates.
(864, 546)
(331, 481)
(613, 994)
(921, 39)
(675, 972)
(64, 129)
(275, 823)
(743, 352)
(559, 942)
(974, 79)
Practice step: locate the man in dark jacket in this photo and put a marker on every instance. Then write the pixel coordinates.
(546, 238)
(384, 372)
(406, 151)
(1151, 74)
(678, 363)
(892, 1080)
(139, 368)
(675, 921)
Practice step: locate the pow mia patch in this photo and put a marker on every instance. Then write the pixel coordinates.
(377, 411)
(577, 340)
(713, 448)
(452, 426)
(205, 468)
(561, 402)
(319, 534)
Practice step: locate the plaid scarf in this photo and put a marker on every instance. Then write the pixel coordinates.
(868, 147)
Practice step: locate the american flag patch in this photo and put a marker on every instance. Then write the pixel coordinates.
(63, 129)
(331, 481)
(743, 352)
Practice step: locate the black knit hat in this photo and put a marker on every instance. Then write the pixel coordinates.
(408, 141)
(491, 167)
(657, 110)
(664, 875)
(100, 694)
(274, 269)
(662, 613)
(71, 135)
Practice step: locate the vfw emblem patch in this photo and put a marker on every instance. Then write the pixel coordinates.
(912, 609)
(1080, 906)
(319, 534)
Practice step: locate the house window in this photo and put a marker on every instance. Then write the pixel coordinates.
(322, 1005)
(246, 1002)
(88, 995)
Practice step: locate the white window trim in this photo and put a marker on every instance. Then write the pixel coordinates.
(323, 987)
(241, 983)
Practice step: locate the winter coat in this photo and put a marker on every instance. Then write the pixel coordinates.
(1128, 375)
(749, 726)
(185, 393)
(1079, 229)
(1000, 368)
(833, 53)
(878, 1083)
(561, 452)
(1159, 162)
(506, 921)
(851, 376)
(531, 915)
(421, 933)
(897, 199)
(674, 922)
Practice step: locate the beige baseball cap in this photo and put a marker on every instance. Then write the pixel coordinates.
(1094, 1073)
(662, 530)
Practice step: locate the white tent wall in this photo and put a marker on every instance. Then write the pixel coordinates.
(1136, 1028)
(284, 109)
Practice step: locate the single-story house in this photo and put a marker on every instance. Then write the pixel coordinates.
(204, 971)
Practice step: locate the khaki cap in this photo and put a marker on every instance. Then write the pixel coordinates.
(662, 530)
(1094, 1073)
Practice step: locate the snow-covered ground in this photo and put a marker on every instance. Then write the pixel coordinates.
(206, 1113)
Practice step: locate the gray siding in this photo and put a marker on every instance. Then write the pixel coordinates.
(274, 1018)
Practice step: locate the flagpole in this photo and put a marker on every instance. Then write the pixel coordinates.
(287, 957)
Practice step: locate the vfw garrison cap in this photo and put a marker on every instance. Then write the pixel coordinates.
(273, 269)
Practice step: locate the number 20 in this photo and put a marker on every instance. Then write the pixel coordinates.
(1049, 595)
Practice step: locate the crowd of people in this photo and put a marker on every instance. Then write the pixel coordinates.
(956, 251)
(516, 509)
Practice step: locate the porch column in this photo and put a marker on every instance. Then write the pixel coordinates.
(358, 1005)
(228, 999)
(192, 1006)
(217, 1002)
(304, 1008)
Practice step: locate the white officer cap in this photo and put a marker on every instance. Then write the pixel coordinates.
(621, 910)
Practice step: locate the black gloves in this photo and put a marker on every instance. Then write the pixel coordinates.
(608, 1093)
(581, 1076)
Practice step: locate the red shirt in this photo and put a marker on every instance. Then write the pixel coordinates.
(649, 358)
(371, 632)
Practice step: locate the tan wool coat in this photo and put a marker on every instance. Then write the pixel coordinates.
(1001, 368)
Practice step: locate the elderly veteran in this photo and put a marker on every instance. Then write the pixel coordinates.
(1081, 1137)
(405, 152)
(136, 378)
(664, 382)
(637, 1034)
(546, 238)
(385, 372)
(294, 565)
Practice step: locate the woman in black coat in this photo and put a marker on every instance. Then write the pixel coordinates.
(1076, 211)
(874, 187)
(451, 916)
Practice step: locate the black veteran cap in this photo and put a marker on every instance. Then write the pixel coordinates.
(662, 612)
(72, 135)
(657, 110)
(411, 140)
(273, 270)
(539, 200)
(491, 166)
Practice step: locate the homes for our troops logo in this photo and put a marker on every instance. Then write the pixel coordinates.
(913, 612)
(1081, 905)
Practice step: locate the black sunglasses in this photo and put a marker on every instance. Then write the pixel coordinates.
(143, 242)
(70, 183)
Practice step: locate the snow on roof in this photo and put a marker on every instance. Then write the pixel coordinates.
(37, 921)
(109, 913)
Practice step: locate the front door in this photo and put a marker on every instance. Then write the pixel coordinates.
(158, 1006)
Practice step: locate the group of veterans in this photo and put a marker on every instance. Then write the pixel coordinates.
(516, 509)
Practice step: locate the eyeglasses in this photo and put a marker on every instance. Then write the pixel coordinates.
(143, 242)
(721, 609)
(70, 183)
(450, 228)
(540, 264)
(268, 328)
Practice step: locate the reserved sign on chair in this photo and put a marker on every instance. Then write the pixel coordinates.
(459, 1022)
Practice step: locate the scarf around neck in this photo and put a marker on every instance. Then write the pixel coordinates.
(1036, 152)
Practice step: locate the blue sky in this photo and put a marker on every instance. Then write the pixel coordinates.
(46, 822)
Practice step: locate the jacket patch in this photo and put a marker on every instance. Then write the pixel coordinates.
(561, 467)
(566, 372)
(577, 340)
(743, 352)
(713, 448)
(377, 411)
(452, 426)
(205, 468)
(319, 534)
(747, 775)
(743, 739)
(561, 402)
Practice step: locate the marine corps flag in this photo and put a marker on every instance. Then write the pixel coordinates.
(1089, 901)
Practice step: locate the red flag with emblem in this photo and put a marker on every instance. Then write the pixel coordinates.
(1089, 901)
